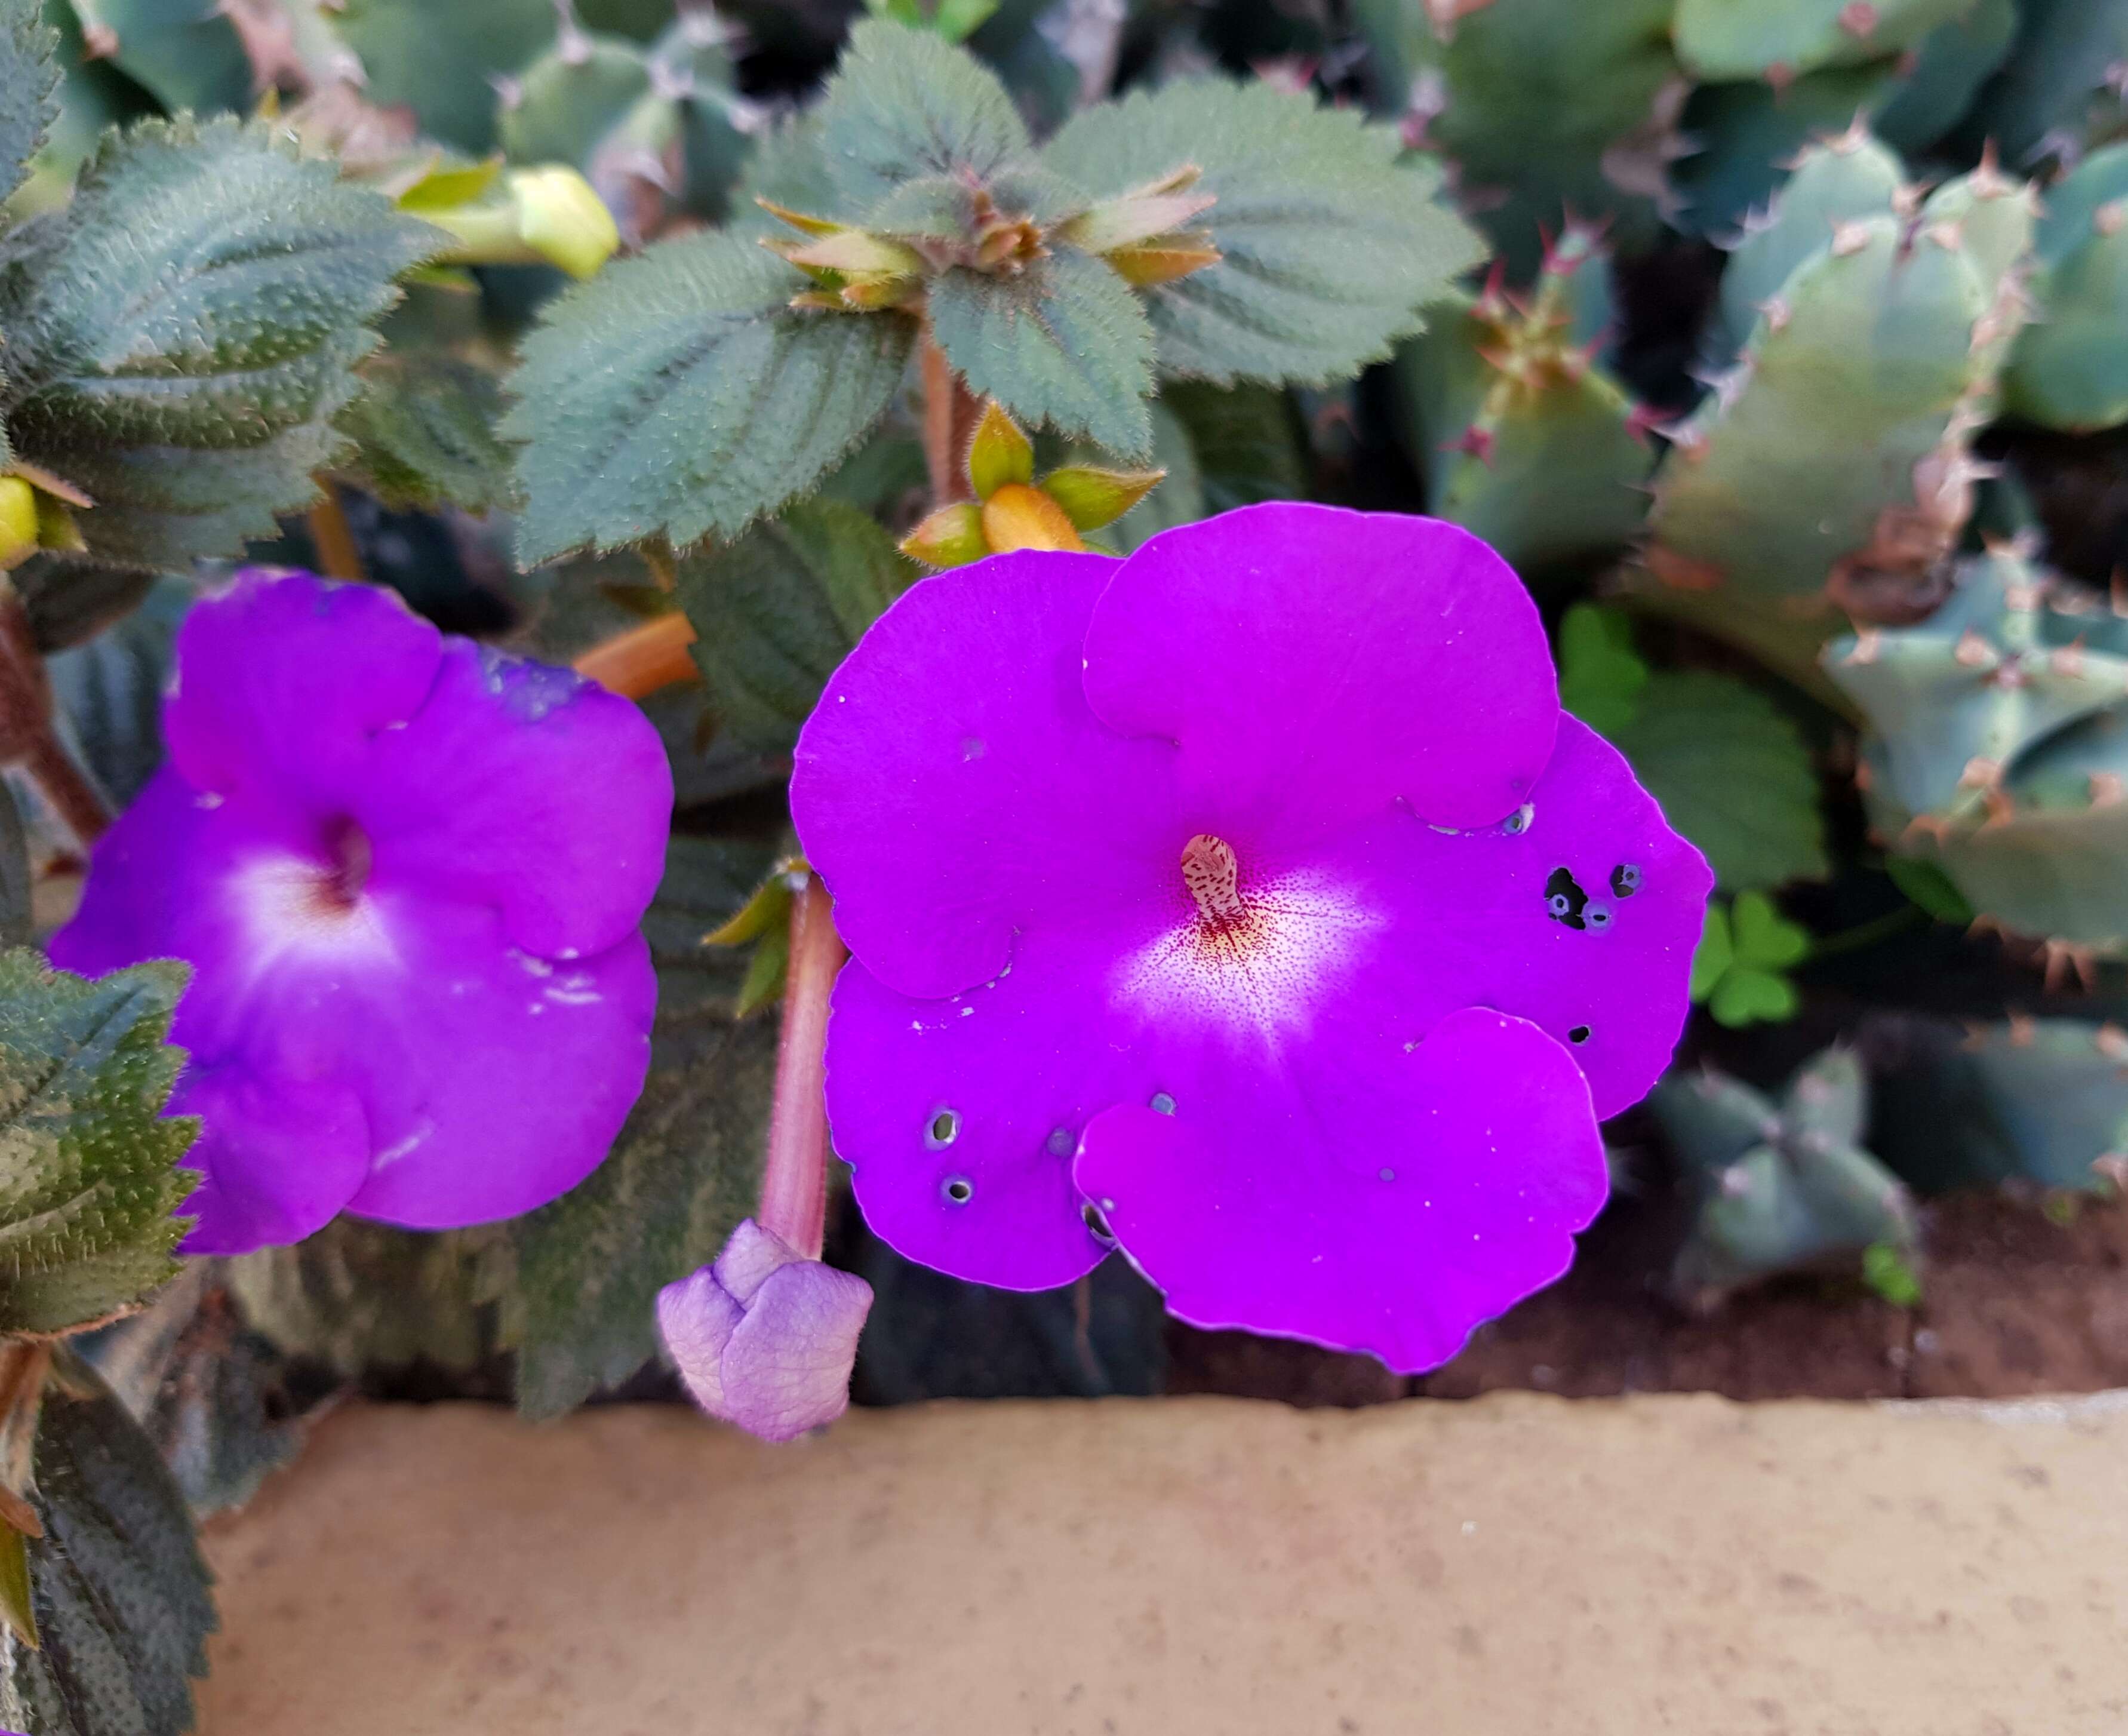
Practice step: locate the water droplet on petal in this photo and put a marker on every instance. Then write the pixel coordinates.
(1162, 1104)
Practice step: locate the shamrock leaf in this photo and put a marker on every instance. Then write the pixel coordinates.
(1738, 970)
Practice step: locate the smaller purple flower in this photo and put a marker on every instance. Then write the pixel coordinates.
(765, 1338)
(408, 872)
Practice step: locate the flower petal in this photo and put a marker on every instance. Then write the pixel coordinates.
(1389, 1208)
(952, 786)
(696, 1316)
(283, 682)
(279, 1158)
(787, 1367)
(525, 786)
(1580, 915)
(1315, 664)
(960, 1116)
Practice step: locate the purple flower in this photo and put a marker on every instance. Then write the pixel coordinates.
(765, 1338)
(407, 872)
(1248, 904)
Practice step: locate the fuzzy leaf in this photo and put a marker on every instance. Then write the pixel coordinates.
(109, 692)
(904, 106)
(181, 335)
(677, 392)
(775, 612)
(1064, 342)
(424, 431)
(1732, 774)
(578, 1279)
(121, 1594)
(1330, 245)
(29, 88)
(88, 1165)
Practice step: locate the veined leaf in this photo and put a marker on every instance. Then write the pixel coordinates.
(89, 1165)
(1329, 245)
(120, 1593)
(578, 1280)
(424, 434)
(180, 336)
(904, 105)
(678, 392)
(775, 612)
(1063, 342)
(29, 88)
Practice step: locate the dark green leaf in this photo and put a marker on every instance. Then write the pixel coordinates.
(1063, 342)
(1601, 677)
(904, 105)
(775, 612)
(1732, 774)
(358, 1295)
(1248, 442)
(580, 1278)
(89, 1165)
(109, 692)
(181, 334)
(678, 392)
(70, 598)
(186, 56)
(29, 89)
(1331, 246)
(425, 435)
(1930, 887)
(15, 916)
(120, 1592)
(438, 60)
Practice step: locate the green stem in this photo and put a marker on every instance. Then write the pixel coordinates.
(1865, 934)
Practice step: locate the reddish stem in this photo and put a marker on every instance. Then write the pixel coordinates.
(794, 1185)
(951, 413)
(642, 660)
(27, 736)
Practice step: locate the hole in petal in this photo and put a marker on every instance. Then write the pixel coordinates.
(959, 1189)
(1564, 900)
(1518, 822)
(1090, 1215)
(1579, 1034)
(1162, 1104)
(1625, 880)
(1597, 916)
(1062, 1142)
(943, 1128)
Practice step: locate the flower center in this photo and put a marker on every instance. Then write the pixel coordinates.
(338, 889)
(1214, 878)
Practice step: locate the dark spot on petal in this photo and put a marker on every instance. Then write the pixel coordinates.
(1564, 901)
(943, 1128)
(1597, 916)
(1062, 1142)
(1625, 880)
(1518, 822)
(1162, 1104)
(1579, 1034)
(960, 1190)
(1090, 1213)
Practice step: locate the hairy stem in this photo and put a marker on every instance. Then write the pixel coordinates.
(951, 413)
(331, 540)
(644, 659)
(794, 1184)
(27, 738)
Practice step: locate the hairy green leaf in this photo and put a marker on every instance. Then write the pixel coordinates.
(580, 1278)
(776, 611)
(29, 89)
(904, 105)
(109, 692)
(181, 335)
(424, 434)
(358, 1295)
(1063, 342)
(678, 392)
(1330, 245)
(121, 1596)
(88, 1167)
(1732, 774)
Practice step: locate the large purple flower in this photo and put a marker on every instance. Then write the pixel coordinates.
(407, 872)
(1249, 904)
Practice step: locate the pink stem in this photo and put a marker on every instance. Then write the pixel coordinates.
(794, 1185)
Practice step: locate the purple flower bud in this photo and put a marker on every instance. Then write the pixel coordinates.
(765, 1338)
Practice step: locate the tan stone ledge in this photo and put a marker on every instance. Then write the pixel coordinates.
(1516, 1566)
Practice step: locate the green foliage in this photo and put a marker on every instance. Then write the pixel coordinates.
(123, 1607)
(2069, 369)
(1748, 39)
(436, 61)
(1330, 245)
(1731, 770)
(109, 692)
(424, 429)
(29, 89)
(776, 611)
(89, 1178)
(187, 57)
(2055, 82)
(1785, 1184)
(1740, 969)
(578, 1279)
(954, 20)
(678, 393)
(181, 335)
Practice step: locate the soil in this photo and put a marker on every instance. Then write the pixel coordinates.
(2021, 1296)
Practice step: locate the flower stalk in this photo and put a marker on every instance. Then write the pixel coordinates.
(27, 737)
(794, 1183)
(638, 662)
